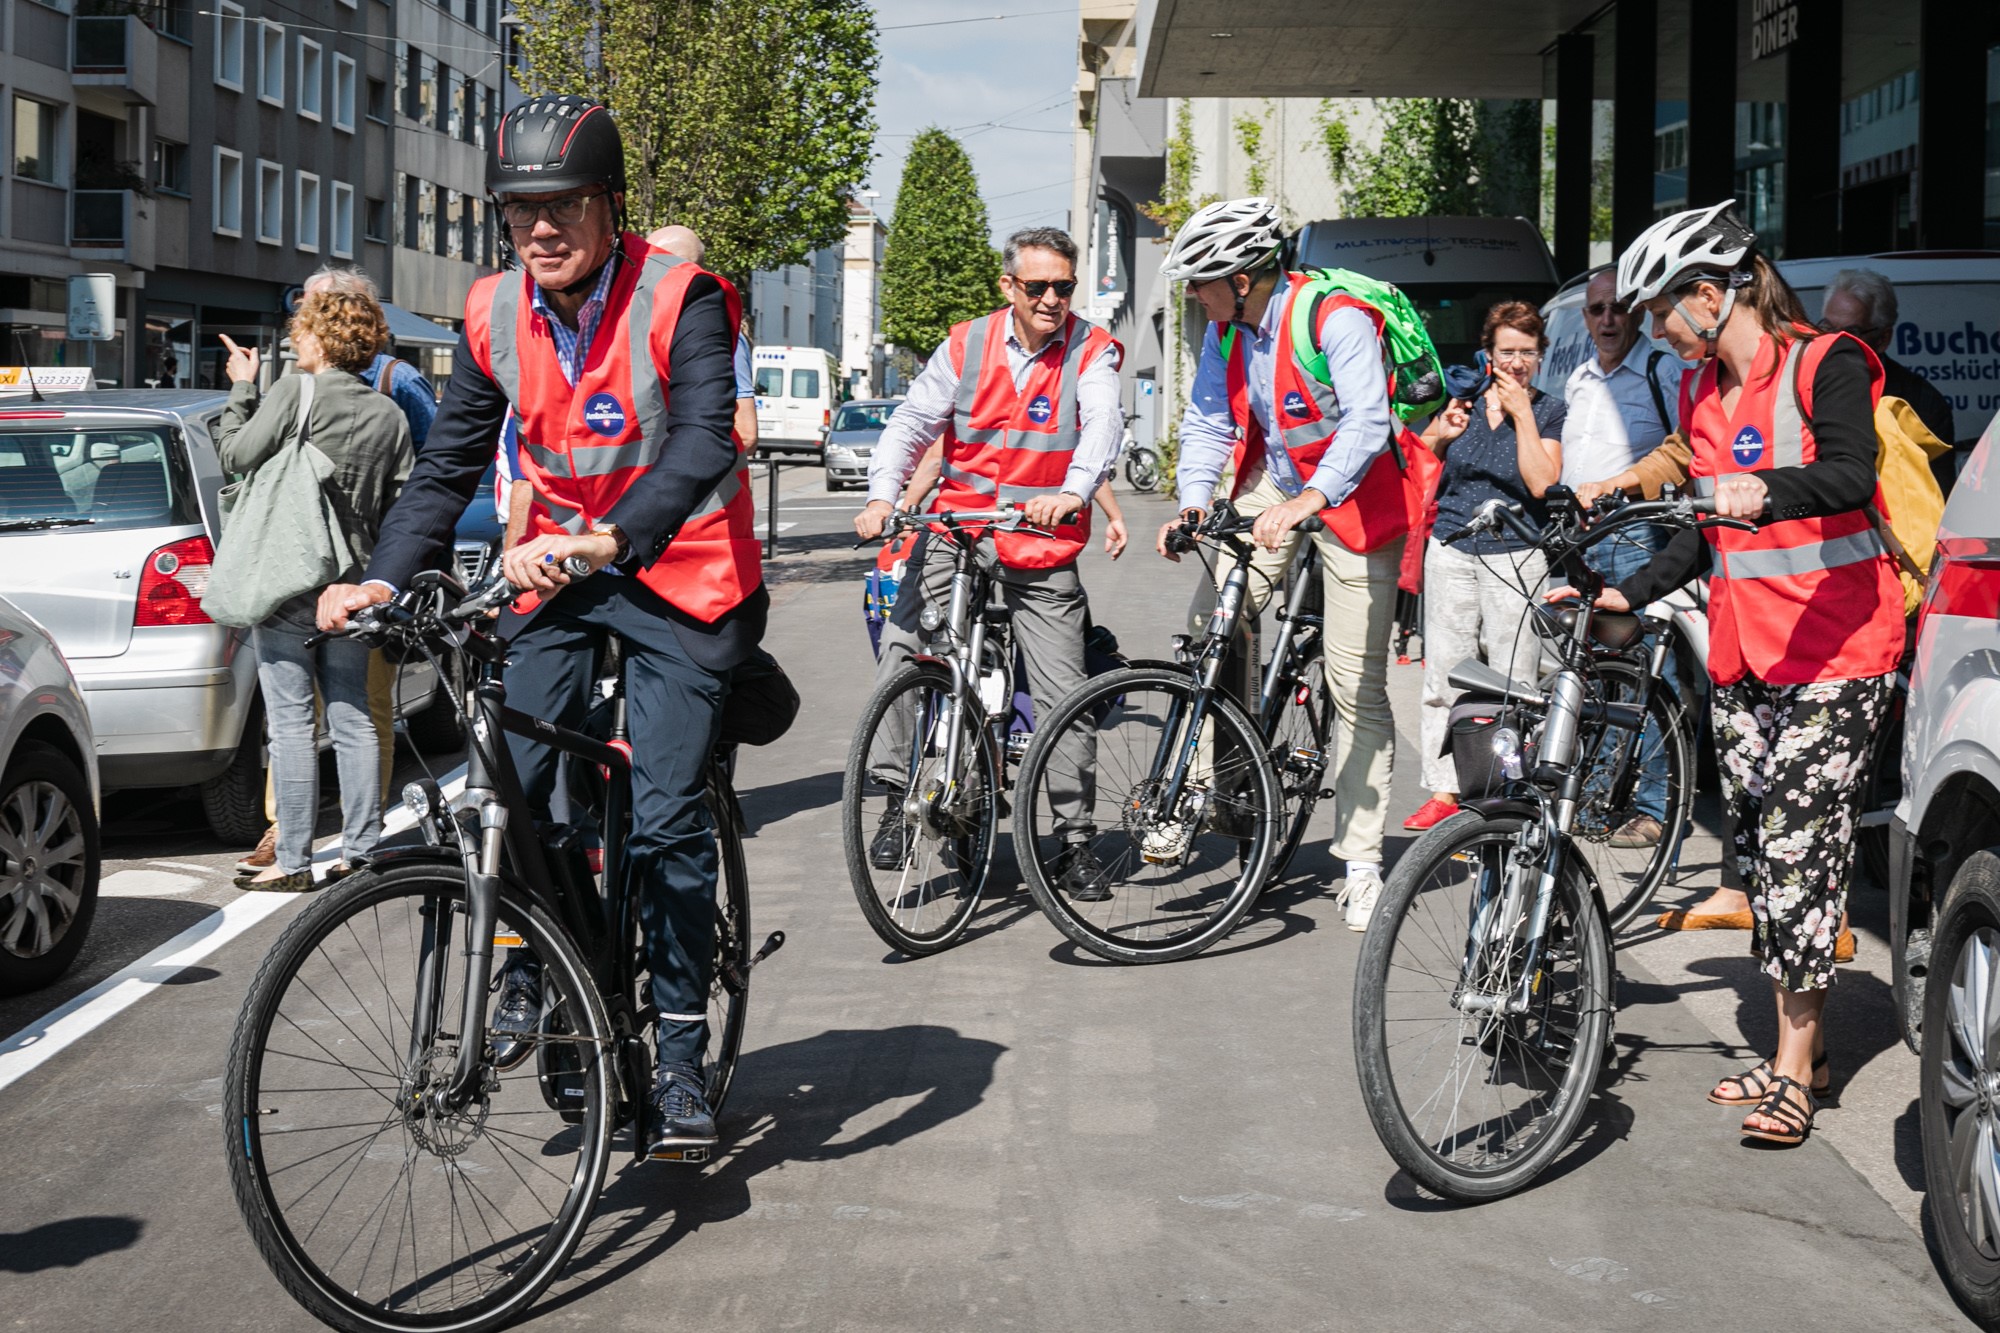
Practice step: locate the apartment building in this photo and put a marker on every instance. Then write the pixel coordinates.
(862, 350)
(799, 305)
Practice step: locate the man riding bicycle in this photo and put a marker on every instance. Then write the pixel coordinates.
(1302, 447)
(1026, 401)
(616, 362)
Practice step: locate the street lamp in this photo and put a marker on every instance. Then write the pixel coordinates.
(510, 23)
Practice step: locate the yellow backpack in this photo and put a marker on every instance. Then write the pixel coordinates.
(1904, 449)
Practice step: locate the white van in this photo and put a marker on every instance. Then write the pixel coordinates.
(796, 392)
(1947, 323)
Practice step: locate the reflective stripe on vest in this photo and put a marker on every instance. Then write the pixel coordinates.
(1788, 432)
(1805, 558)
(979, 485)
(1306, 433)
(1068, 429)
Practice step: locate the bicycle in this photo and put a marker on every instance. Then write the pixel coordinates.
(1185, 814)
(1142, 465)
(392, 1173)
(1492, 923)
(920, 847)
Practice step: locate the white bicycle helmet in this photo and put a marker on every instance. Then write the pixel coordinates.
(1233, 236)
(1701, 241)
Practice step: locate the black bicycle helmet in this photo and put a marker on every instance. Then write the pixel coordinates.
(556, 143)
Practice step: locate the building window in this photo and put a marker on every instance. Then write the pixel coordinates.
(405, 220)
(170, 167)
(271, 63)
(310, 80)
(305, 203)
(426, 90)
(227, 203)
(478, 116)
(270, 202)
(35, 139)
(376, 226)
(343, 92)
(229, 45)
(450, 90)
(378, 100)
(419, 215)
(341, 223)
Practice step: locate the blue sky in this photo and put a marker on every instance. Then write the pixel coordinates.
(963, 76)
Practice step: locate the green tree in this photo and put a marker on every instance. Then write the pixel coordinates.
(1250, 139)
(751, 121)
(938, 268)
(1436, 155)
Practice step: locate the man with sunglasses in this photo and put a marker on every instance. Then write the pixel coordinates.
(616, 363)
(1026, 401)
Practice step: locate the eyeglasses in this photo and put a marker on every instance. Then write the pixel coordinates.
(1599, 309)
(564, 212)
(1517, 357)
(1036, 286)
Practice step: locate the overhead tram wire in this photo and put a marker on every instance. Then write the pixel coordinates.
(982, 18)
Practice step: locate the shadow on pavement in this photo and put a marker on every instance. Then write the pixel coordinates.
(790, 1103)
(781, 800)
(123, 931)
(66, 1244)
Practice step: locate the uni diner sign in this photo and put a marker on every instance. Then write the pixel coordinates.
(1774, 25)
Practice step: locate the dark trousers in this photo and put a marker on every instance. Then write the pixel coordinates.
(673, 709)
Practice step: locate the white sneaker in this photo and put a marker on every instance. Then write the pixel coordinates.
(1363, 887)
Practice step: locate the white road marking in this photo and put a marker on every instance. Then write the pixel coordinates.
(145, 884)
(186, 865)
(62, 1027)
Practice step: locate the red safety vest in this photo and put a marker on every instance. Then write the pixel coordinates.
(1005, 445)
(583, 446)
(1375, 513)
(1803, 599)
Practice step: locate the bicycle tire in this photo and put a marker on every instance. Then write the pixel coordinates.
(1304, 724)
(1626, 881)
(729, 986)
(1576, 927)
(1111, 930)
(388, 905)
(1142, 470)
(962, 863)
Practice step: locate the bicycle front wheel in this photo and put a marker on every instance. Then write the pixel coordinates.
(1156, 880)
(378, 1203)
(1142, 469)
(918, 812)
(1634, 776)
(1471, 1096)
(1299, 753)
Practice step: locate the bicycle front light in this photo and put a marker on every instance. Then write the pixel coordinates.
(417, 800)
(931, 618)
(1507, 749)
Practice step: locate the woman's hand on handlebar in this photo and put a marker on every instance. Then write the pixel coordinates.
(1273, 524)
(1609, 600)
(536, 565)
(1741, 495)
(869, 523)
(342, 600)
(1185, 524)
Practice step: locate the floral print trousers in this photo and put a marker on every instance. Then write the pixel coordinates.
(1792, 760)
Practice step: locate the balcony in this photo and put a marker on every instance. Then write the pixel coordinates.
(110, 225)
(120, 54)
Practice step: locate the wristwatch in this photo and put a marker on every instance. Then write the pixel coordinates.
(616, 534)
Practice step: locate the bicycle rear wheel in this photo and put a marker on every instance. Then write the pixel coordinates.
(378, 1205)
(1475, 1105)
(1142, 469)
(1169, 883)
(729, 987)
(1649, 772)
(933, 827)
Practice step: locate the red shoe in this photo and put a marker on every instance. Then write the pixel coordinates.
(1431, 812)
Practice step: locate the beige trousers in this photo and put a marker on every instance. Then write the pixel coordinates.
(1360, 610)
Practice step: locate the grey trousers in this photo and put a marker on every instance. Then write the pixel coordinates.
(1473, 609)
(1049, 607)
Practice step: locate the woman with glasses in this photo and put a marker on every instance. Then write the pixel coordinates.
(1507, 445)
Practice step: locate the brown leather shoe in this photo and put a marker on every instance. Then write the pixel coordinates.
(1681, 919)
(1843, 947)
(266, 853)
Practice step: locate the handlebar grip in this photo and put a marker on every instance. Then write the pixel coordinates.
(576, 567)
(1313, 524)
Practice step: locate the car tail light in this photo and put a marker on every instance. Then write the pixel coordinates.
(825, 417)
(170, 589)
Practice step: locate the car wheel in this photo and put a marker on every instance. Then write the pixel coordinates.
(48, 867)
(233, 800)
(1960, 1090)
(440, 728)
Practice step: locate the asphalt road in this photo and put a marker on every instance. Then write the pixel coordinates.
(1009, 1134)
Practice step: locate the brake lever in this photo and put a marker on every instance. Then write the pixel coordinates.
(1741, 525)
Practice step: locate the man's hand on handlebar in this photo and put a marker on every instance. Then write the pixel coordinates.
(1048, 511)
(1274, 523)
(869, 523)
(1609, 600)
(537, 565)
(1186, 523)
(342, 600)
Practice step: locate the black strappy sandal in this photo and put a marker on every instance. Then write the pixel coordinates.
(1777, 1106)
(1753, 1084)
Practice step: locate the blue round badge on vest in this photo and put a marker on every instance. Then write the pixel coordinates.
(604, 414)
(1748, 447)
(1296, 405)
(1041, 409)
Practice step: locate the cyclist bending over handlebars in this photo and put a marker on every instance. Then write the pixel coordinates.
(1026, 402)
(635, 471)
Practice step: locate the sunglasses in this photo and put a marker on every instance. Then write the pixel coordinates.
(1035, 287)
(564, 212)
(1599, 309)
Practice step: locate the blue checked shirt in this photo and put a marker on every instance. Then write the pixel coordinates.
(573, 345)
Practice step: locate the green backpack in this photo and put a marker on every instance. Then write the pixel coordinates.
(1416, 375)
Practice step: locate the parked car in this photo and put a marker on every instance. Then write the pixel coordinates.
(48, 808)
(1944, 882)
(796, 391)
(108, 520)
(850, 439)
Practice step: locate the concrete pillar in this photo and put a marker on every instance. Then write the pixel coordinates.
(1633, 115)
(1711, 103)
(1812, 135)
(1575, 53)
(1951, 85)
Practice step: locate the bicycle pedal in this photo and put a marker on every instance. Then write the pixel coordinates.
(690, 1156)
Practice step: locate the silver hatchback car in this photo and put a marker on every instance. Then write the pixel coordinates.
(108, 522)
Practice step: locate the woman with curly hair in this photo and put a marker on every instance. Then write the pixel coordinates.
(335, 335)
